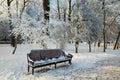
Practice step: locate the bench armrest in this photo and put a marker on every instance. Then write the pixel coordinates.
(69, 56)
(29, 60)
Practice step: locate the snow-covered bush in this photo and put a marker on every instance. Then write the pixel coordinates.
(4, 30)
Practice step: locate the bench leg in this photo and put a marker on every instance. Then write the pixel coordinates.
(55, 65)
(28, 68)
(32, 71)
(70, 62)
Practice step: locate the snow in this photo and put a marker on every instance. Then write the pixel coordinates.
(14, 67)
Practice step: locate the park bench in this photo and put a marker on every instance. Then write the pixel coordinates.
(40, 58)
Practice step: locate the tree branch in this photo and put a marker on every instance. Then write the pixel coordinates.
(114, 20)
(11, 1)
(2, 2)
(25, 4)
(73, 6)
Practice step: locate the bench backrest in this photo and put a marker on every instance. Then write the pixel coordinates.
(37, 55)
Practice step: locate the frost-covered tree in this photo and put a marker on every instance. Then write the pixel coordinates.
(92, 23)
(76, 29)
(111, 14)
(32, 28)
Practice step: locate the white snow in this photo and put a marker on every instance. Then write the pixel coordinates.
(14, 67)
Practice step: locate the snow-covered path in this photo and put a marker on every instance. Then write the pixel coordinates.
(14, 67)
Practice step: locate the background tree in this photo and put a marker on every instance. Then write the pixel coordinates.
(104, 24)
(77, 27)
(91, 22)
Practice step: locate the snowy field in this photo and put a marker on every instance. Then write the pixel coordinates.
(96, 65)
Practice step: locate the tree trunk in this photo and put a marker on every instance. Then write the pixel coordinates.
(9, 14)
(89, 46)
(104, 34)
(17, 8)
(46, 7)
(65, 15)
(10, 23)
(95, 44)
(15, 46)
(117, 40)
(76, 46)
(98, 44)
(58, 9)
(69, 14)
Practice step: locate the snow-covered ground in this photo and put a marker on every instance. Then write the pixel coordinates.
(96, 65)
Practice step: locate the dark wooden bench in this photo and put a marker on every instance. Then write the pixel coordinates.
(40, 58)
